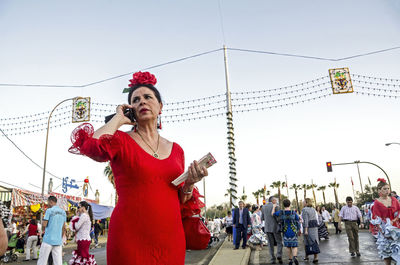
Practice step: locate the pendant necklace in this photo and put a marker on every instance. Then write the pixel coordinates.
(155, 153)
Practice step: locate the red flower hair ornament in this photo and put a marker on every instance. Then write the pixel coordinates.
(382, 180)
(143, 78)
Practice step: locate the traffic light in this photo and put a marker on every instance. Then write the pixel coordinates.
(329, 166)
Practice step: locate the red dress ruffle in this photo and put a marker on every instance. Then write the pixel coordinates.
(81, 256)
(146, 224)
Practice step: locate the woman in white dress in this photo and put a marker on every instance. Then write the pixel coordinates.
(82, 224)
(258, 237)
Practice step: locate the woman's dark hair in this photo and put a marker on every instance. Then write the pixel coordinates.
(32, 222)
(381, 184)
(151, 87)
(286, 203)
(88, 208)
(254, 208)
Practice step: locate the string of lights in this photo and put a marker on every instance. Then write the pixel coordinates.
(35, 125)
(375, 95)
(378, 89)
(281, 88)
(279, 94)
(377, 78)
(285, 104)
(195, 100)
(38, 122)
(34, 120)
(35, 114)
(375, 83)
(279, 99)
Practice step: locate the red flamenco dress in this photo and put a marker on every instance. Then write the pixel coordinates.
(386, 227)
(146, 226)
(380, 210)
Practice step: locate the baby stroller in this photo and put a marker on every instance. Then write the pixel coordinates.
(10, 256)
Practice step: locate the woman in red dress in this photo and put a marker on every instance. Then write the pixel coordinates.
(146, 226)
(385, 218)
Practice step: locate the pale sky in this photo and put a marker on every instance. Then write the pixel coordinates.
(75, 43)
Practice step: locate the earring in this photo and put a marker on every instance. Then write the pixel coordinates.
(134, 128)
(159, 124)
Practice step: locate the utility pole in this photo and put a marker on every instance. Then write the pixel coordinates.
(231, 136)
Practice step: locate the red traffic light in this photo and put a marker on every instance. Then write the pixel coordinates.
(329, 166)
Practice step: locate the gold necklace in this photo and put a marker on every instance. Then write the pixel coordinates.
(155, 153)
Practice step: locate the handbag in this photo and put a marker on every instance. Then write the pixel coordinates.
(196, 233)
(311, 246)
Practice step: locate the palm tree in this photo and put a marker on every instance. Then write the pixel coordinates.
(313, 186)
(335, 186)
(296, 187)
(256, 195)
(110, 175)
(322, 188)
(243, 197)
(277, 184)
(229, 194)
(304, 188)
(261, 192)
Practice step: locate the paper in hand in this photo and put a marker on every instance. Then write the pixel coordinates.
(206, 161)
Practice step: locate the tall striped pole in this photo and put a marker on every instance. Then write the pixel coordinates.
(231, 137)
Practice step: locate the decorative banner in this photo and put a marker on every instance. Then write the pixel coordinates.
(81, 110)
(340, 80)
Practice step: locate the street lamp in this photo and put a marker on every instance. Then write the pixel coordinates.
(45, 149)
(391, 143)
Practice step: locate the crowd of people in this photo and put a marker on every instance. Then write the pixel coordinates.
(54, 232)
(258, 226)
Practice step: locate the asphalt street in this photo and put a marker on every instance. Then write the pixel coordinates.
(334, 251)
(198, 257)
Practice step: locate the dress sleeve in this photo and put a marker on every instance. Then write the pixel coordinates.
(82, 219)
(277, 213)
(103, 149)
(304, 215)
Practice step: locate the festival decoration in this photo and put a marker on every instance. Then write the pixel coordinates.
(341, 80)
(81, 109)
(85, 187)
(66, 185)
(35, 207)
(97, 196)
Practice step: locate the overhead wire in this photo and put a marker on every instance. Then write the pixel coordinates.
(19, 149)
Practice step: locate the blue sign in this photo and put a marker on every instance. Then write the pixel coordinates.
(66, 185)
